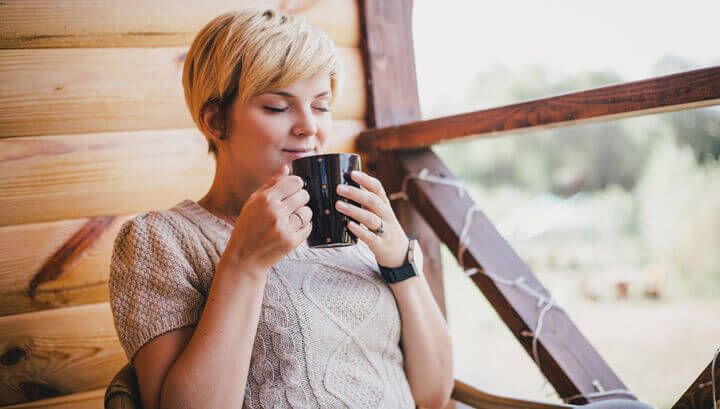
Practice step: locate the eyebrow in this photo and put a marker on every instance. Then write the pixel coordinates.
(287, 94)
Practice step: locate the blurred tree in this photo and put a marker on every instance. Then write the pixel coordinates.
(563, 161)
(567, 160)
(697, 128)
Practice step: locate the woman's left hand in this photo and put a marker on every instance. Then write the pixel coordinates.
(390, 246)
(426, 340)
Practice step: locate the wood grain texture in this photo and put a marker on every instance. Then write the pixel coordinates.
(77, 176)
(389, 58)
(158, 23)
(70, 252)
(82, 279)
(566, 358)
(60, 177)
(476, 398)
(692, 89)
(392, 99)
(700, 394)
(57, 352)
(82, 400)
(63, 91)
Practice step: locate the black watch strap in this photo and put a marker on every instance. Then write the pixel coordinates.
(394, 275)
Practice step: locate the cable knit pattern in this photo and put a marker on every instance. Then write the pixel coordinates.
(329, 329)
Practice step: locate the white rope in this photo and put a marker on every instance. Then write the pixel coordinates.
(602, 393)
(712, 378)
(544, 302)
(425, 175)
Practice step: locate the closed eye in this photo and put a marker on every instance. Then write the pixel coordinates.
(271, 109)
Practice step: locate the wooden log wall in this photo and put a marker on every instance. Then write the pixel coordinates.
(93, 130)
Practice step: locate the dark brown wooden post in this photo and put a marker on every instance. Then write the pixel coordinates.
(386, 41)
(700, 394)
(566, 357)
(392, 99)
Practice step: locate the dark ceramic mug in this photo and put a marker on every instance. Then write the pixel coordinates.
(322, 174)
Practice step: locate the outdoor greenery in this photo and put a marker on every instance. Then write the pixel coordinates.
(643, 193)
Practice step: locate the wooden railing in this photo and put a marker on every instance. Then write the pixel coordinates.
(686, 90)
(468, 395)
(398, 148)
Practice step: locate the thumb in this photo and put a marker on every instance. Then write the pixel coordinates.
(284, 171)
(281, 173)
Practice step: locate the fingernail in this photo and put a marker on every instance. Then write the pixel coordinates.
(357, 173)
(341, 204)
(342, 188)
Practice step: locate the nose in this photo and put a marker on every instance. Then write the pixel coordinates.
(305, 124)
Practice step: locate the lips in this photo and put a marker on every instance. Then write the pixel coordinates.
(299, 150)
(299, 153)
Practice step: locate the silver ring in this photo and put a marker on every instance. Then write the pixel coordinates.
(302, 222)
(380, 229)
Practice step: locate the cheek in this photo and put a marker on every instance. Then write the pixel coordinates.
(325, 131)
(261, 133)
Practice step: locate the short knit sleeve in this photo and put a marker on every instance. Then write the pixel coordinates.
(153, 288)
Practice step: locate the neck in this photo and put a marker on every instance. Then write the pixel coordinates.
(228, 194)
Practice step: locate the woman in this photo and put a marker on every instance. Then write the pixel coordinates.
(220, 303)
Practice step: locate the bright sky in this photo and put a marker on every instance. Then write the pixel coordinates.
(453, 38)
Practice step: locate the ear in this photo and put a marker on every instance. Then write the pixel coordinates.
(212, 121)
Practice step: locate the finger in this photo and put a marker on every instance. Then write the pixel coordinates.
(303, 233)
(367, 199)
(296, 200)
(370, 238)
(370, 183)
(294, 219)
(285, 187)
(279, 175)
(371, 220)
(282, 172)
(304, 213)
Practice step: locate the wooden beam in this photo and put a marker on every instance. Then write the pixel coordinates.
(55, 264)
(48, 178)
(700, 394)
(566, 358)
(70, 252)
(57, 177)
(468, 395)
(392, 99)
(57, 352)
(81, 90)
(157, 23)
(692, 89)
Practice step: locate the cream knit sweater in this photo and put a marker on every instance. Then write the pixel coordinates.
(329, 329)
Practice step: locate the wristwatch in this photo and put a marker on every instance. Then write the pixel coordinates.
(412, 267)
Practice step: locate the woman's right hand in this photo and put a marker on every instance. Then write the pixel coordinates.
(266, 228)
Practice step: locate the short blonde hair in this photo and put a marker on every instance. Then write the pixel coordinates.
(244, 53)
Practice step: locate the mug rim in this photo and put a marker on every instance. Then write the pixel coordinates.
(328, 154)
